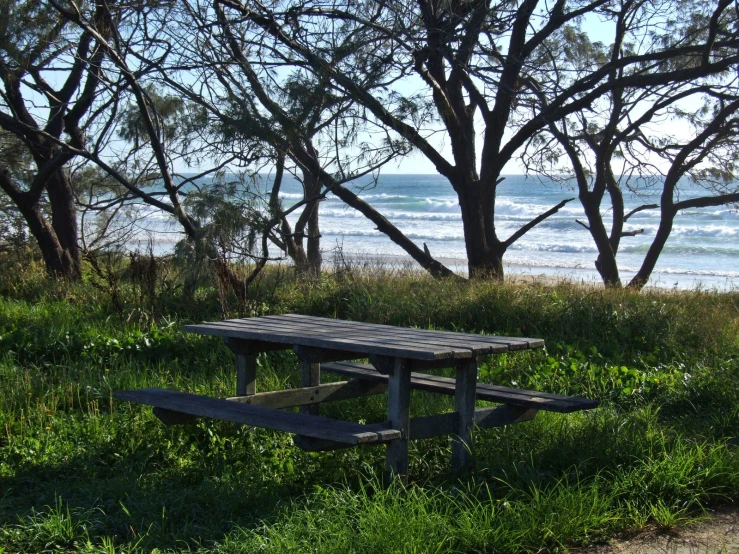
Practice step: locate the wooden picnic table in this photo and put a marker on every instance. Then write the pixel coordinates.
(398, 359)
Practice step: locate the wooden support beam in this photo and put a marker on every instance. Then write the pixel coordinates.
(328, 392)
(247, 346)
(246, 363)
(486, 418)
(399, 400)
(464, 405)
(321, 355)
(310, 376)
(169, 417)
(246, 374)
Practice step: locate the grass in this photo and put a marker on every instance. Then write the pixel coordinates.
(80, 472)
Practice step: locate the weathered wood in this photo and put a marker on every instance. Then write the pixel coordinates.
(307, 338)
(168, 417)
(328, 392)
(246, 363)
(399, 400)
(321, 355)
(464, 405)
(246, 374)
(485, 418)
(457, 349)
(490, 393)
(380, 333)
(260, 416)
(513, 343)
(382, 364)
(306, 330)
(253, 346)
(310, 376)
(440, 425)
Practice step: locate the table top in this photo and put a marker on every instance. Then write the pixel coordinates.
(363, 338)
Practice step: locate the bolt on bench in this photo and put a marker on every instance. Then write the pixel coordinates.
(398, 357)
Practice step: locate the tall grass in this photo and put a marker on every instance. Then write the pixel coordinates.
(81, 472)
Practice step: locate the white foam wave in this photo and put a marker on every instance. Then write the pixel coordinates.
(448, 235)
(393, 215)
(723, 231)
(556, 248)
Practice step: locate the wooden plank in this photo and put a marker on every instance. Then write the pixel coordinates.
(399, 401)
(322, 356)
(168, 417)
(491, 393)
(310, 376)
(259, 416)
(253, 346)
(353, 345)
(246, 374)
(513, 343)
(438, 425)
(426, 427)
(309, 324)
(406, 335)
(464, 405)
(364, 336)
(290, 398)
(485, 418)
(328, 392)
(306, 325)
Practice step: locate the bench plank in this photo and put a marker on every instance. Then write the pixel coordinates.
(491, 393)
(426, 427)
(260, 416)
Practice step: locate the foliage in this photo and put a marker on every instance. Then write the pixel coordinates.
(83, 472)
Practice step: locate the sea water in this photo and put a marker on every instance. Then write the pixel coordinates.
(702, 251)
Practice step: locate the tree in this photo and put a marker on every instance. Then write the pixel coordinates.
(623, 140)
(257, 98)
(150, 123)
(494, 72)
(49, 76)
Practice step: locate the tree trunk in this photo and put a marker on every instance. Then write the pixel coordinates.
(484, 250)
(314, 243)
(655, 249)
(57, 241)
(64, 222)
(308, 260)
(48, 243)
(606, 262)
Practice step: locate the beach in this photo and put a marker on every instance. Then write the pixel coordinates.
(702, 251)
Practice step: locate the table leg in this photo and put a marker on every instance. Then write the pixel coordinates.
(246, 374)
(464, 405)
(399, 400)
(310, 376)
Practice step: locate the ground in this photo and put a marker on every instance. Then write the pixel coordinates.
(717, 533)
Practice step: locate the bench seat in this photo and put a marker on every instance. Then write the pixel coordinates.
(259, 416)
(492, 393)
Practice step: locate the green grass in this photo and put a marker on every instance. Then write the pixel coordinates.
(80, 472)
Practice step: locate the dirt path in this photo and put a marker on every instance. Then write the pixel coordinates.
(717, 534)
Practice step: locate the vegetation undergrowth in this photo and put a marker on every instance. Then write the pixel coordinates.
(81, 472)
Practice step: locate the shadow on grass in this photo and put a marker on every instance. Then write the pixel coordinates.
(85, 500)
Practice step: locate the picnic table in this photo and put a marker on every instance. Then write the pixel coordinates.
(399, 358)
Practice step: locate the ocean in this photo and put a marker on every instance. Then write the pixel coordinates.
(702, 252)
